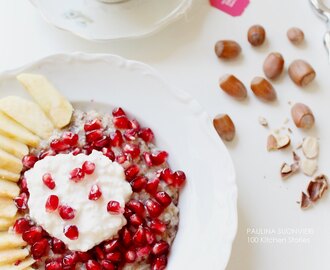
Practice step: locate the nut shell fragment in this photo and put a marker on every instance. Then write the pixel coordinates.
(305, 201)
(302, 116)
(317, 187)
(309, 166)
(224, 126)
(310, 147)
(233, 86)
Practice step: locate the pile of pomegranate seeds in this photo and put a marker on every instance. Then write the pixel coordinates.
(143, 239)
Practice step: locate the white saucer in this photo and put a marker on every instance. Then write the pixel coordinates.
(99, 21)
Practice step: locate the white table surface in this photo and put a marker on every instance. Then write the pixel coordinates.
(183, 53)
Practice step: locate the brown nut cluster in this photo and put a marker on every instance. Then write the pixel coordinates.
(256, 35)
(227, 49)
(273, 65)
(224, 126)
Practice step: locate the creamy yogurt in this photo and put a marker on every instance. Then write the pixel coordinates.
(94, 223)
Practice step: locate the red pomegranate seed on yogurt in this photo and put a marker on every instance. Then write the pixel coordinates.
(121, 158)
(152, 185)
(116, 138)
(21, 201)
(132, 171)
(103, 142)
(154, 208)
(32, 235)
(130, 256)
(150, 236)
(136, 206)
(23, 185)
(46, 153)
(29, 161)
(108, 153)
(135, 220)
(58, 246)
(147, 158)
(93, 125)
(76, 151)
(114, 208)
(146, 134)
(114, 257)
(111, 246)
(130, 134)
(135, 125)
(39, 249)
(107, 265)
(83, 256)
(139, 237)
(167, 176)
(159, 263)
(48, 181)
(163, 198)
(160, 248)
(94, 135)
(70, 138)
(21, 225)
(95, 193)
(143, 252)
(70, 260)
(71, 232)
(159, 158)
(139, 183)
(132, 149)
(52, 203)
(59, 145)
(118, 112)
(121, 122)
(126, 237)
(77, 174)
(92, 265)
(66, 212)
(54, 266)
(179, 178)
(88, 167)
(157, 226)
(99, 253)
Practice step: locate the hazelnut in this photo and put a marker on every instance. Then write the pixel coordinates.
(256, 35)
(295, 35)
(301, 73)
(273, 65)
(224, 126)
(227, 49)
(302, 116)
(233, 86)
(263, 89)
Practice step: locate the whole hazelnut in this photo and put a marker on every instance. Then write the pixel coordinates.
(295, 35)
(227, 49)
(301, 72)
(256, 35)
(224, 127)
(233, 86)
(273, 65)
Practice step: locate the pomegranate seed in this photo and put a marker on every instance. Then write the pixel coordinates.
(132, 171)
(111, 245)
(76, 151)
(77, 174)
(104, 142)
(136, 206)
(21, 225)
(32, 235)
(58, 246)
(48, 181)
(121, 158)
(126, 237)
(135, 125)
(70, 259)
(52, 203)
(46, 153)
(95, 193)
(94, 135)
(66, 212)
(88, 167)
(167, 176)
(179, 178)
(159, 158)
(159, 263)
(21, 201)
(147, 135)
(87, 149)
(150, 237)
(160, 248)
(114, 208)
(163, 198)
(139, 183)
(143, 252)
(70, 138)
(121, 122)
(93, 265)
(83, 256)
(71, 232)
(154, 208)
(132, 149)
(135, 220)
(40, 248)
(116, 139)
(152, 186)
(29, 161)
(107, 265)
(23, 185)
(108, 153)
(114, 257)
(92, 125)
(99, 253)
(139, 237)
(54, 266)
(128, 213)
(118, 112)
(130, 134)
(130, 256)
(147, 158)
(59, 145)
(157, 226)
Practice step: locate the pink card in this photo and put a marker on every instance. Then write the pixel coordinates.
(231, 7)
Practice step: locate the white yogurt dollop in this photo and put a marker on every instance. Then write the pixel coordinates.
(94, 223)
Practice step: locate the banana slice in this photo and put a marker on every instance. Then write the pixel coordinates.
(13, 147)
(14, 130)
(23, 265)
(8, 208)
(28, 114)
(8, 189)
(10, 176)
(57, 108)
(10, 162)
(10, 256)
(11, 240)
(5, 223)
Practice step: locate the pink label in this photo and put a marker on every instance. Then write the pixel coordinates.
(231, 7)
